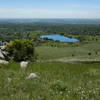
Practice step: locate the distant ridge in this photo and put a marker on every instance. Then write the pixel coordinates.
(55, 20)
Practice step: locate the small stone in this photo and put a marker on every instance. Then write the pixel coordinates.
(24, 64)
(9, 80)
(32, 76)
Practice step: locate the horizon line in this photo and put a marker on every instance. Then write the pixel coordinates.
(47, 18)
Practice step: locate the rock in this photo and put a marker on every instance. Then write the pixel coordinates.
(32, 76)
(23, 64)
(9, 80)
(1, 55)
(3, 62)
(2, 47)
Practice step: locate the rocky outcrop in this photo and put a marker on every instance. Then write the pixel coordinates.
(1, 55)
(3, 62)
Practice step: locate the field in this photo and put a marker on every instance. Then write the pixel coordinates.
(66, 71)
(57, 81)
(65, 52)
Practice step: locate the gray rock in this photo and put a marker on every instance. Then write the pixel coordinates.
(32, 76)
(23, 64)
(1, 55)
(3, 62)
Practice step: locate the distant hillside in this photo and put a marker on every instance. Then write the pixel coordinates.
(60, 21)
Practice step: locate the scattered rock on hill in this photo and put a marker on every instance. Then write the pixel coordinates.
(32, 76)
(9, 80)
(2, 47)
(3, 62)
(23, 64)
(1, 55)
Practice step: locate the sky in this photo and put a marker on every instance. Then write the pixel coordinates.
(49, 8)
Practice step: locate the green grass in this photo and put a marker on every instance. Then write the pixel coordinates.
(57, 81)
(64, 50)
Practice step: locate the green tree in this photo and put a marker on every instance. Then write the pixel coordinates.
(21, 49)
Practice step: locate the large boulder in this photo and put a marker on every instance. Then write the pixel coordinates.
(2, 47)
(4, 55)
(1, 55)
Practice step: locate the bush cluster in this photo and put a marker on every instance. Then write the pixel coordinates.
(21, 49)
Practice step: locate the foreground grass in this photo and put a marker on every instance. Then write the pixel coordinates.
(57, 81)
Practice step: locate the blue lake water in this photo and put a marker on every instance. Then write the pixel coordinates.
(60, 38)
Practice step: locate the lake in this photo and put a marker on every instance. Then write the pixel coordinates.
(60, 38)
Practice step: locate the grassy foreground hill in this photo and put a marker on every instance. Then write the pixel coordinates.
(57, 81)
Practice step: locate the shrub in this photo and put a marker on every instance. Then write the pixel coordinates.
(59, 86)
(21, 49)
(89, 54)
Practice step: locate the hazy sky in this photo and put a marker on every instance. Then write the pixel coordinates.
(49, 8)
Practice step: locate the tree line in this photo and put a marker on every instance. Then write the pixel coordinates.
(11, 31)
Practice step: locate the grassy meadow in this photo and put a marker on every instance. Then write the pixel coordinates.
(58, 78)
(80, 51)
(57, 81)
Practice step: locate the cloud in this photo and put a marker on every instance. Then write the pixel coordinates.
(48, 13)
(82, 6)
